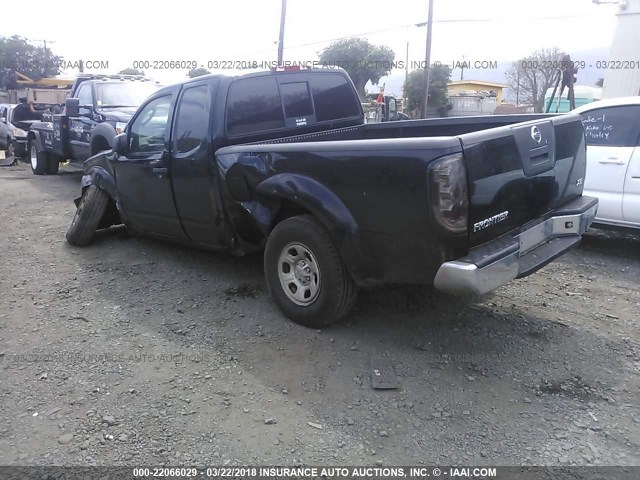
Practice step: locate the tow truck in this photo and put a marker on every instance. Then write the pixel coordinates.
(97, 109)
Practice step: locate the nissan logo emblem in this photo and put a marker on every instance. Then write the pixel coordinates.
(535, 134)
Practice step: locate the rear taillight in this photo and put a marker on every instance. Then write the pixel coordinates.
(449, 193)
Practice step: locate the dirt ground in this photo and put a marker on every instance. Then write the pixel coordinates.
(132, 351)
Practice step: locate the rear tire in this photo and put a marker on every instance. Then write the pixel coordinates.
(88, 215)
(53, 165)
(305, 274)
(39, 160)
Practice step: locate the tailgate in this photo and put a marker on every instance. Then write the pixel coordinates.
(519, 172)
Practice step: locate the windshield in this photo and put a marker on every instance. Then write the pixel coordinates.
(123, 94)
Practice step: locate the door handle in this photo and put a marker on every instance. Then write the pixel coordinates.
(611, 161)
(159, 172)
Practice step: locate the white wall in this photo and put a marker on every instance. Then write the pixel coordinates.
(622, 82)
(471, 105)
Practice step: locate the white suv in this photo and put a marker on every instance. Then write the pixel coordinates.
(612, 132)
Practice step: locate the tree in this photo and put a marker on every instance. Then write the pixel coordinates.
(531, 76)
(131, 71)
(18, 55)
(362, 60)
(438, 79)
(600, 82)
(198, 72)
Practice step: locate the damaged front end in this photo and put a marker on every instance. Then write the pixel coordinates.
(97, 172)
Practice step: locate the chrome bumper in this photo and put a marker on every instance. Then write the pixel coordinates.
(517, 255)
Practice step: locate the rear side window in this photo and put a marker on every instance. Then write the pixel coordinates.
(253, 105)
(612, 126)
(192, 121)
(334, 98)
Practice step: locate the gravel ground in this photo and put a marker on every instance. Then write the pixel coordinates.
(132, 351)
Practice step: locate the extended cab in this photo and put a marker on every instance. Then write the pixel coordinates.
(96, 111)
(282, 161)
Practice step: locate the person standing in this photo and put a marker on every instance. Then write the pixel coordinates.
(25, 111)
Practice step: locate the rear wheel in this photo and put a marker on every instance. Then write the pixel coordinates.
(53, 164)
(39, 160)
(88, 215)
(305, 273)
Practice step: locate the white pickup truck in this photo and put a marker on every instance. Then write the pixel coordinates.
(612, 132)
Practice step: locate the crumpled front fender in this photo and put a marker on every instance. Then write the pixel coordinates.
(102, 178)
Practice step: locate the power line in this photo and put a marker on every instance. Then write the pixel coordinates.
(422, 24)
(507, 19)
(43, 41)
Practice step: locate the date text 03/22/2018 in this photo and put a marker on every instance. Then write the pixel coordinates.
(391, 472)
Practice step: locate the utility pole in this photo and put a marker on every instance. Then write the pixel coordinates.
(44, 42)
(406, 66)
(462, 68)
(427, 62)
(283, 14)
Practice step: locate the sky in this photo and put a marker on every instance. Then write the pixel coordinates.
(247, 30)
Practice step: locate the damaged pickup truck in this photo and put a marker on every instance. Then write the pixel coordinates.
(283, 161)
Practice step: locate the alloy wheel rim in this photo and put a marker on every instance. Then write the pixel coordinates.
(33, 153)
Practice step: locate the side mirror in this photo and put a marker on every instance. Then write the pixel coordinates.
(121, 144)
(72, 107)
(3, 120)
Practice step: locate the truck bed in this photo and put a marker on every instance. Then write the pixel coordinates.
(378, 170)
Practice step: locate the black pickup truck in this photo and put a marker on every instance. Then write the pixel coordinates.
(98, 108)
(282, 161)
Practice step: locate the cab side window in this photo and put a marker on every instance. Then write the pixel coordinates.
(192, 120)
(3, 115)
(612, 126)
(149, 130)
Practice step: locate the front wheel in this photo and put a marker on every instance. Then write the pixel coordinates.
(39, 160)
(305, 274)
(88, 215)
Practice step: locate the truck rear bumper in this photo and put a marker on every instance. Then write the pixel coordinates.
(516, 255)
